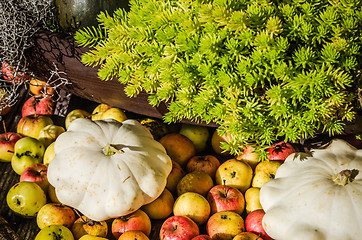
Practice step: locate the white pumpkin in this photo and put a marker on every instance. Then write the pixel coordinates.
(317, 196)
(107, 169)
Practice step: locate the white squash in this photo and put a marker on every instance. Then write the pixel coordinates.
(316, 197)
(107, 169)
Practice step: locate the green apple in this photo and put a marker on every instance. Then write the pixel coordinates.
(196, 181)
(54, 232)
(198, 134)
(74, 114)
(27, 151)
(49, 133)
(26, 198)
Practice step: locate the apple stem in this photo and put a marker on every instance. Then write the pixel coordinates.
(225, 190)
(259, 236)
(6, 133)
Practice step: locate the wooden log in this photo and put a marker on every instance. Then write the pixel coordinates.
(62, 51)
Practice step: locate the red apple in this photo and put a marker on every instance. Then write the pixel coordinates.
(207, 163)
(179, 228)
(249, 156)
(202, 237)
(253, 223)
(36, 173)
(11, 75)
(137, 220)
(224, 225)
(226, 198)
(38, 106)
(7, 143)
(280, 151)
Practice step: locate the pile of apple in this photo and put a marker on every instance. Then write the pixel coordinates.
(209, 194)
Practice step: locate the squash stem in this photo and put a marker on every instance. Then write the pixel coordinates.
(110, 150)
(345, 176)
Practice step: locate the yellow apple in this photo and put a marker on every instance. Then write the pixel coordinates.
(161, 207)
(49, 133)
(194, 206)
(247, 236)
(216, 140)
(234, 173)
(225, 225)
(52, 195)
(49, 154)
(114, 113)
(32, 125)
(99, 110)
(90, 237)
(39, 87)
(133, 235)
(84, 225)
(264, 172)
(252, 199)
(74, 114)
(178, 147)
(104, 111)
(176, 174)
(196, 181)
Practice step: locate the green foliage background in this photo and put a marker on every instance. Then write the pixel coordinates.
(263, 70)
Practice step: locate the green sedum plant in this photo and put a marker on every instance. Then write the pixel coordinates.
(263, 70)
